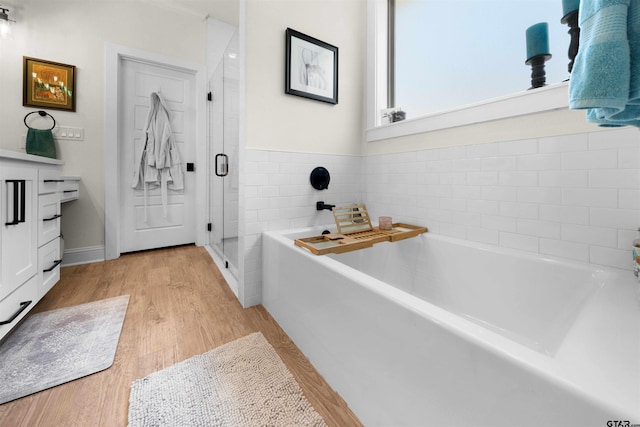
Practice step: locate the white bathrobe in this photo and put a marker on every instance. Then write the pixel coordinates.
(158, 162)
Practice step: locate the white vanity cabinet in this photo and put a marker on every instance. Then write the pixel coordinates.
(30, 192)
(49, 214)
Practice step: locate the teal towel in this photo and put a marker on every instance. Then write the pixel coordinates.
(40, 142)
(606, 72)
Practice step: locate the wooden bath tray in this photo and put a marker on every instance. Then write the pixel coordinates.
(365, 235)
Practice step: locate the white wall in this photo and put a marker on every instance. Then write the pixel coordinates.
(75, 32)
(278, 121)
(286, 136)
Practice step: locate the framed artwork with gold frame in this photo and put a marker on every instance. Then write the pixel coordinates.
(48, 84)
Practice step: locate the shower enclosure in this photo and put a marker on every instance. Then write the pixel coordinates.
(223, 139)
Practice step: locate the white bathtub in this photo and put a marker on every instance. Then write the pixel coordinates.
(434, 331)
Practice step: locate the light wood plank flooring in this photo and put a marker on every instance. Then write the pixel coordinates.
(179, 306)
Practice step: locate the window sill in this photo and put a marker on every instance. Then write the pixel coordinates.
(552, 97)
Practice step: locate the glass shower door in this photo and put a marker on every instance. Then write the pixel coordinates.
(224, 139)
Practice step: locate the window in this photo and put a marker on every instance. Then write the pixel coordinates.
(450, 53)
(447, 54)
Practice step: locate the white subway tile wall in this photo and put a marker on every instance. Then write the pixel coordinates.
(575, 197)
(278, 196)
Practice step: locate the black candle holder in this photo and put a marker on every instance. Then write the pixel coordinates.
(538, 74)
(571, 19)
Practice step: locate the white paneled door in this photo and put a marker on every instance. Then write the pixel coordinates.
(143, 222)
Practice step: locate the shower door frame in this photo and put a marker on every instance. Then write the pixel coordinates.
(218, 111)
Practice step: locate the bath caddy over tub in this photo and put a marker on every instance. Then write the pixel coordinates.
(356, 232)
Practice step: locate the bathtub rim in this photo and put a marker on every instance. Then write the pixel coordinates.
(561, 374)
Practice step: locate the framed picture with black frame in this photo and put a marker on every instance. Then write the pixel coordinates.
(311, 68)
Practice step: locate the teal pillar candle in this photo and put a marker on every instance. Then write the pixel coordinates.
(538, 40)
(569, 6)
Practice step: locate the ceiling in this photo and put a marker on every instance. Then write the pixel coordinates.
(223, 10)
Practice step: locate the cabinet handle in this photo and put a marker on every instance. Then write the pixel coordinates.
(23, 307)
(19, 200)
(55, 264)
(56, 216)
(54, 180)
(16, 213)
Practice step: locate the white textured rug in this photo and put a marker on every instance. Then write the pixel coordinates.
(242, 383)
(57, 346)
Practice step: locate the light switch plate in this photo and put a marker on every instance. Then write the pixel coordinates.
(69, 133)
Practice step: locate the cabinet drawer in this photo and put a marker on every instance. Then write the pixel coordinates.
(49, 214)
(50, 181)
(70, 188)
(49, 259)
(15, 303)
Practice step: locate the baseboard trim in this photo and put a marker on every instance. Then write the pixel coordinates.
(83, 255)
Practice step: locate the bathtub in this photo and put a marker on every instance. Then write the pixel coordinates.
(435, 331)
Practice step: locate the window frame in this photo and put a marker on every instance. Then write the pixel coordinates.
(391, 53)
(547, 98)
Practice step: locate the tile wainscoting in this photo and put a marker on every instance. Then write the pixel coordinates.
(574, 197)
(278, 195)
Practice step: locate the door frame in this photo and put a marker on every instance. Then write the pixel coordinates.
(113, 58)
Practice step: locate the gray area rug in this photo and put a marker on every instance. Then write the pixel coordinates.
(58, 346)
(242, 383)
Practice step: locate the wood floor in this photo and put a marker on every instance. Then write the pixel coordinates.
(179, 306)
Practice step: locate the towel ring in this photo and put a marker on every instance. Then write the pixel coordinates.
(43, 114)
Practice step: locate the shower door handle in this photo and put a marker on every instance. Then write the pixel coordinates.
(222, 168)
